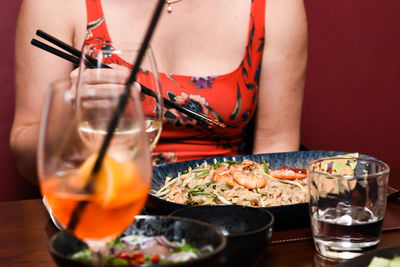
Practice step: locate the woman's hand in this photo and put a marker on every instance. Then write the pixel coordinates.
(115, 75)
(98, 79)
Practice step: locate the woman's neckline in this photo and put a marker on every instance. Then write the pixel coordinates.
(183, 76)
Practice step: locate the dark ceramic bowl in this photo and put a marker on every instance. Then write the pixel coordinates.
(248, 230)
(62, 245)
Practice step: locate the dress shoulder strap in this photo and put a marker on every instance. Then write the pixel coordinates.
(255, 42)
(257, 21)
(96, 26)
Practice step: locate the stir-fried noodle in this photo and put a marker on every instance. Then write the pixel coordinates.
(247, 183)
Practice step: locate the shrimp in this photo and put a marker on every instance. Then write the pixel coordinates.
(223, 174)
(245, 174)
(288, 174)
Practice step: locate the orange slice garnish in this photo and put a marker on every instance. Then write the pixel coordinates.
(115, 183)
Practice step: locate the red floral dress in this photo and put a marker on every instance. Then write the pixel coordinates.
(230, 98)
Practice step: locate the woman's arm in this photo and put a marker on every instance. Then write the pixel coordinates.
(35, 69)
(282, 77)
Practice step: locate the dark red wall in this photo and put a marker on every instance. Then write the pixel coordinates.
(12, 187)
(352, 92)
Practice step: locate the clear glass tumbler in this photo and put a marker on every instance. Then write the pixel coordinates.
(347, 204)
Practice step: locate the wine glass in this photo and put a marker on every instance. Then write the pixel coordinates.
(95, 208)
(102, 58)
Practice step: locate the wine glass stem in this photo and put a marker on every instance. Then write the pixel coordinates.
(97, 248)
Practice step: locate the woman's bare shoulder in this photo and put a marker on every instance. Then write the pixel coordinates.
(286, 25)
(285, 14)
(58, 17)
(47, 9)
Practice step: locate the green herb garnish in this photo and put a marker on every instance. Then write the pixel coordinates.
(186, 247)
(265, 164)
(117, 243)
(215, 165)
(197, 193)
(201, 173)
(201, 187)
(232, 162)
(114, 261)
(186, 171)
(82, 256)
(165, 261)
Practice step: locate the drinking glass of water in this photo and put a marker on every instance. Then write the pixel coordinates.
(347, 204)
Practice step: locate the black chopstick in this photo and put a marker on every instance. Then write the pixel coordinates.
(192, 114)
(89, 61)
(92, 63)
(59, 43)
(55, 51)
(170, 104)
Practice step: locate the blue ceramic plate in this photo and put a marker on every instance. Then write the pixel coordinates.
(284, 215)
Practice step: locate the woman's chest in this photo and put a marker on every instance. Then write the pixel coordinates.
(198, 38)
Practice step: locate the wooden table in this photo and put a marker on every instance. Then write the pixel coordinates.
(25, 229)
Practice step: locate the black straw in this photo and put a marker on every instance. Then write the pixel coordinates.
(114, 121)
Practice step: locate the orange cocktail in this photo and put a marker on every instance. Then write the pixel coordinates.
(118, 195)
(98, 207)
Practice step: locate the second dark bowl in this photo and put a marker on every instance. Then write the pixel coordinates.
(247, 229)
(62, 245)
